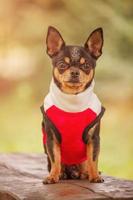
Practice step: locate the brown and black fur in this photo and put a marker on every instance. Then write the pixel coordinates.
(73, 72)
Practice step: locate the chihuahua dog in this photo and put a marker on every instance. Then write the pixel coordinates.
(71, 111)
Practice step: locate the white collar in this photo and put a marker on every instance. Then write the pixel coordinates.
(71, 102)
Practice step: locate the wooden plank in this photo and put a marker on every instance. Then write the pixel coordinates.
(21, 178)
(112, 187)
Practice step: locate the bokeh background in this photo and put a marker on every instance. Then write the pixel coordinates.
(25, 72)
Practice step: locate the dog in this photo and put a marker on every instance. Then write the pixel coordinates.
(71, 110)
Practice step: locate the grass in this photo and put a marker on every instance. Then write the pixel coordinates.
(20, 131)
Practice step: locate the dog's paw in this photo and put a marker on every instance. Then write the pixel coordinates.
(74, 175)
(63, 176)
(97, 179)
(83, 176)
(50, 180)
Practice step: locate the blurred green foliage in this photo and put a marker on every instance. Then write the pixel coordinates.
(25, 72)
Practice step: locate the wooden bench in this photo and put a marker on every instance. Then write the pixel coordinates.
(21, 178)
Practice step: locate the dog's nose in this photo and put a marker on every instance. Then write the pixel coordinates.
(75, 74)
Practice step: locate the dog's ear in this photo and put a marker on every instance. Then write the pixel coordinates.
(94, 43)
(54, 41)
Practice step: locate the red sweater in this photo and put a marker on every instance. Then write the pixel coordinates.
(71, 126)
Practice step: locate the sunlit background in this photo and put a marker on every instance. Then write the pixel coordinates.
(25, 72)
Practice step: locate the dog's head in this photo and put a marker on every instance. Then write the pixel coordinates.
(73, 66)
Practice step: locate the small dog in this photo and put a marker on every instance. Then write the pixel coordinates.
(71, 110)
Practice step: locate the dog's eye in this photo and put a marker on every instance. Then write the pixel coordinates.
(62, 66)
(85, 66)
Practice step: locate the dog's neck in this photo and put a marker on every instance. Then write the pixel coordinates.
(70, 102)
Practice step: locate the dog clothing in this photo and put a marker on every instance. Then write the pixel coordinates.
(71, 115)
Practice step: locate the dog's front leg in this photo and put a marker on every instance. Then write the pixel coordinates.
(93, 148)
(53, 151)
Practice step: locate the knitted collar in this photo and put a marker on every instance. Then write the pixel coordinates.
(70, 102)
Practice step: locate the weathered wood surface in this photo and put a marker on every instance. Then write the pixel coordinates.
(21, 178)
